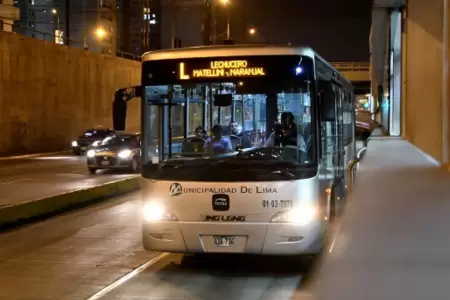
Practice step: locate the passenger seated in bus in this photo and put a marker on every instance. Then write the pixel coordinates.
(286, 133)
(245, 141)
(200, 132)
(218, 143)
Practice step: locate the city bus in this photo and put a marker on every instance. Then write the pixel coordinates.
(274, 194)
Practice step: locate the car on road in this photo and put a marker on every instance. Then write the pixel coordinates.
(82, 143)
(117, 151)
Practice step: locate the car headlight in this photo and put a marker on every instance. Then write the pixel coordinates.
(90, 153)
(155, 211)
(301, 215)
(125, 153)
(74, 144)
(95, 144)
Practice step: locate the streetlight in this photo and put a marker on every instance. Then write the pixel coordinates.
(252, 31)
(100, 33)
(224, 2)
(55, 12)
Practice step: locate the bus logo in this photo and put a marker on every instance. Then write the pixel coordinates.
(175, 189)
(225, 218)
(220, 202)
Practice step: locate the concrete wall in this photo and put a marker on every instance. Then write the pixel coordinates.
(50, 93)
(423, 70)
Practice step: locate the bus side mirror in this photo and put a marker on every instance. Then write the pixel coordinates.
(119, 110)
(327, 104)
(223, 100)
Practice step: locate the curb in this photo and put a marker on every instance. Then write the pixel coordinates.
(34, 155)
(19, 214)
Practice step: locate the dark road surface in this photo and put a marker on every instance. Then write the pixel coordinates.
(76, 255)
(38, 177)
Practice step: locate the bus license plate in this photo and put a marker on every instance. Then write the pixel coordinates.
(105, 163)
(224, 240)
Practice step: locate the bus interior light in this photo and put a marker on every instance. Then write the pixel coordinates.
(298, 70)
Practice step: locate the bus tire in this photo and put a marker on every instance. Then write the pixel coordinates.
(337, 201)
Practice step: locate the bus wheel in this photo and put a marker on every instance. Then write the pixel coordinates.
(337, 201)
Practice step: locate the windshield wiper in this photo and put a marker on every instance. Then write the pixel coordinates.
(270, 166)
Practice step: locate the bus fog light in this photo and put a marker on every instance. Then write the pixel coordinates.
(155, 211)
(301, 215)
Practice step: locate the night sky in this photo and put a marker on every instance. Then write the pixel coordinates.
(336, 29)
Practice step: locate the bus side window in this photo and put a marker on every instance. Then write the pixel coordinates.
(327, 99)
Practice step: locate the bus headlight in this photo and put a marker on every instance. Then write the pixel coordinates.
(301, 215)
(74, 144)
(125, 154)
(154, 211)
(90, 153)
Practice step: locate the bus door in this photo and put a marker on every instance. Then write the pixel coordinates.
(156, 123)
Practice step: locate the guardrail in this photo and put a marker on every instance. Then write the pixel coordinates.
(49, 37)
(352, 66)
(351, 169)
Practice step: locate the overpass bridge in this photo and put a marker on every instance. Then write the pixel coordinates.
(358, 73)
(354, 71)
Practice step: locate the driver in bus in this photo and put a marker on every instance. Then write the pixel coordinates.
(286, 133)
(218, 143)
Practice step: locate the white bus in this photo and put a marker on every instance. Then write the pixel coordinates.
(270, 177)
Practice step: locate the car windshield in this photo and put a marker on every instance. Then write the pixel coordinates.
(95, 133)
(119, 140)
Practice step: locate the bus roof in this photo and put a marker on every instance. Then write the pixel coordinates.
(235, 50)
(227, 51)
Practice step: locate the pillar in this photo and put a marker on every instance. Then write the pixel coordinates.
(445, 86)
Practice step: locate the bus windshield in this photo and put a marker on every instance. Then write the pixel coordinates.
(265, 134)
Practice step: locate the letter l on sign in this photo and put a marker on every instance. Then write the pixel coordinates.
(183, 76)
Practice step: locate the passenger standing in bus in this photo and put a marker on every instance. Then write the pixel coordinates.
(218, 143)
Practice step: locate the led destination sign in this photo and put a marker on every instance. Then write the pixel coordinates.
(222, 68)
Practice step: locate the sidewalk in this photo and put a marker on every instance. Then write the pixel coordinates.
(393, 241)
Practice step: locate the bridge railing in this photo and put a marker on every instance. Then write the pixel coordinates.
(352, 66)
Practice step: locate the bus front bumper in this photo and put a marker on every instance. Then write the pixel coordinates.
(251, 238)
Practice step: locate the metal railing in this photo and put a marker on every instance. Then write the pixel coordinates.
(352, 66)
(49, 37)
(351, 169)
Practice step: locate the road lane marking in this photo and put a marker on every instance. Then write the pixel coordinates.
(14, 181)
(34, 155)
(103, 292)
